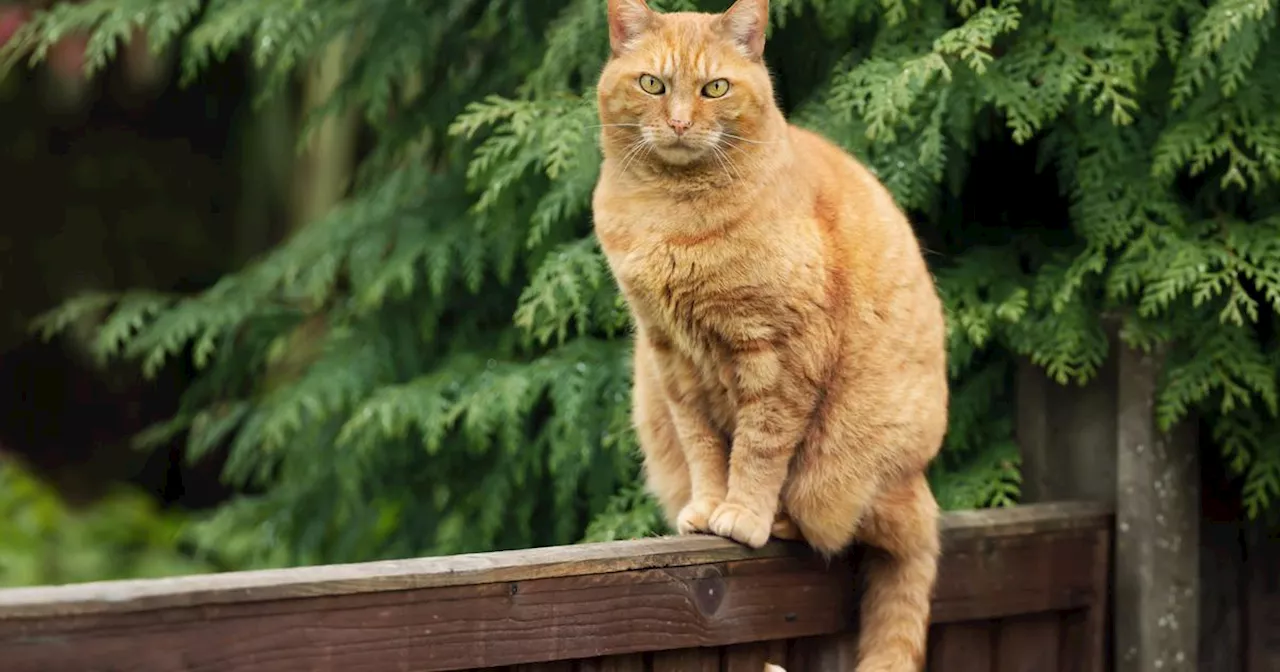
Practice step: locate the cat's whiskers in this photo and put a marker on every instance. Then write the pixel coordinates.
(754, 142)
(720, 158)
(641, 145)
(753, 161)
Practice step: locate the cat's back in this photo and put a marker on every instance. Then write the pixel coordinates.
(867, 233)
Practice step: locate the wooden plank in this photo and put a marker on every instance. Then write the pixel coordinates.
(569, 616)
(1263, 598)
(558, 666)
(962, 647)
(1028, 643)
(1222, 623)
(1157, 598)
(832, 653)
(1079, 650)
(1066, 434)
(746, 657)
(633, 663)
(1027, 519)
(1004, 576)
(1087, 633)
(753, 656)
(484, 568)
(687, 660)
(369, 577)
(458, 627)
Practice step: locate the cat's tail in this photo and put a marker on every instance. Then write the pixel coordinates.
(894, 626)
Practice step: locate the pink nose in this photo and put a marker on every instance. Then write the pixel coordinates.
(679, 125)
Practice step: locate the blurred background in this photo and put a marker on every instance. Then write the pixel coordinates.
(311, 281)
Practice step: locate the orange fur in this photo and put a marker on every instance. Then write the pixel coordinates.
(790, 368)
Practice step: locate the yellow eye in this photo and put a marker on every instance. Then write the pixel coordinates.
(716, 88)
(652, 85)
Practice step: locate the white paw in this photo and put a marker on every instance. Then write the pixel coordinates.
(740, 524)
(694, 517)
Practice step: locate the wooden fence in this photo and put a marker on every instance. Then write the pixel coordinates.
(1019, 589)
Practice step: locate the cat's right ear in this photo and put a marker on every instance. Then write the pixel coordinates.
(628, 19)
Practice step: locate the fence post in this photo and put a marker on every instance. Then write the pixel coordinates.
(1157, 592)
(1066, 435)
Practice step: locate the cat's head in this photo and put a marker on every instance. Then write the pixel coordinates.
(686, 87)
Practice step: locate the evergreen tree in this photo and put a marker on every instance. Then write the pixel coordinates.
(468, 385)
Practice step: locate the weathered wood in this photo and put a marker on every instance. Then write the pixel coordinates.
(632, 663)
(683, 593)
(371, 577)
(460, 627)
(962, 647)
(1028, 643)
(1221, 611)
(687, 660)
(482, 568)
(1066, 435)
(998, 576)
(751, 657)
(557, 666)
(832, 653)
(1157, 530)
(1080, 647)
(1263, 597)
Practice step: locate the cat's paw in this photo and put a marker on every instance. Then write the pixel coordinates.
(694, 517)
(740, 524)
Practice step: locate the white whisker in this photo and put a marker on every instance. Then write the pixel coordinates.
(719, 156)
(637, 147)
(727, 160)
(754, 142)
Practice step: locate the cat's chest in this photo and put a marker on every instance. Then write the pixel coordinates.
(704, 299)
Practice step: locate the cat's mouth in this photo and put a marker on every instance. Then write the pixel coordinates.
(680, 151)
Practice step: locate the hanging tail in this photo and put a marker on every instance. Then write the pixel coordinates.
(901, 571)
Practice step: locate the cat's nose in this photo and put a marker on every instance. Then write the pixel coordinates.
(679, 125)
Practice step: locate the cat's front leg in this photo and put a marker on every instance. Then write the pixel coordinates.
(705, 449)
(707, 457)
(773, 411)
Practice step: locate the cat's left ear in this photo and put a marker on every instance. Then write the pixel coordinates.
(745, 23)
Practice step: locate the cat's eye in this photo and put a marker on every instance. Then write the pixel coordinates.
(716, 88)
(652, 85)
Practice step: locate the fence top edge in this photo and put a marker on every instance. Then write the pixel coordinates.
(484, 568)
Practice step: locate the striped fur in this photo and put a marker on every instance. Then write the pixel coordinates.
(790, 366)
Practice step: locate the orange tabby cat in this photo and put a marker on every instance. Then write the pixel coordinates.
(790, 371)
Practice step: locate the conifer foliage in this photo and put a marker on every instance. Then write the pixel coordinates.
(469, 385)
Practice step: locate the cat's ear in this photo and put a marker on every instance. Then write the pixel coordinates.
(628, 19)
(745, 23)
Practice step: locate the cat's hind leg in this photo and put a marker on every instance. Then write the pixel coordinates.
(900, 522)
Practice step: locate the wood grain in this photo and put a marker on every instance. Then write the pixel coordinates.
(633, 663)
(962, 647)
(484, 568)
(687, 660)
(1262, 612)
(681, 594)
(997, 576)
(1028, 643)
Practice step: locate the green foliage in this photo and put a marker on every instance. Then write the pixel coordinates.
(122, 536)
(465, 382)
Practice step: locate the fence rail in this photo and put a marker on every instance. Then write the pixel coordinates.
(1019, 589)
